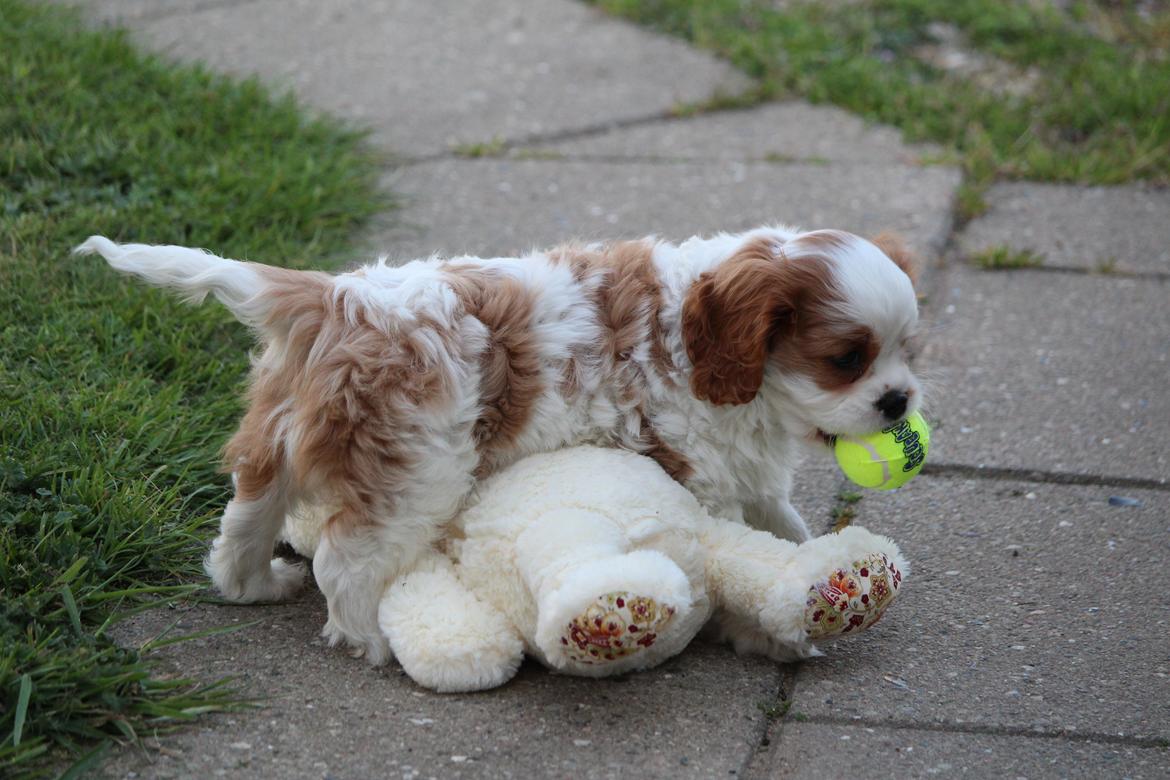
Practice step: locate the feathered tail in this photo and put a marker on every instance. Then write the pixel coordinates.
(239, 286)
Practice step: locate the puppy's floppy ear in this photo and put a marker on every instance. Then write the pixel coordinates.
(894, 247)
(732, 317)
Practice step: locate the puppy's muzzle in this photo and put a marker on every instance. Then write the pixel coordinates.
(893, 404)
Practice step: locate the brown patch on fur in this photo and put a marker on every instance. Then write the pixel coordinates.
(358, 400)
(510, 382)
(736, 314)
(671, 460)
(625, 288)
(895, 248)
(825, 240)
(333, 398)
(295, 296)
(256, 451)
(818, 340)
(570, 383)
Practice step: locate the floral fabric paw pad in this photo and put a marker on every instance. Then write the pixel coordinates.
(851, 600)
(614, 626)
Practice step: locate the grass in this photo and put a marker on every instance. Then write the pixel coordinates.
(1106, 266)
(774, 710)
(493, 148)
(1003, 258)
(844, 511)
(114, 401)
(1096, 108)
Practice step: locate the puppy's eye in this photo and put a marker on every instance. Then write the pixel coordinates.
(850, 361)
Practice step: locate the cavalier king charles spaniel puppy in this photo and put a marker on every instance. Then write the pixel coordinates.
(386, 392)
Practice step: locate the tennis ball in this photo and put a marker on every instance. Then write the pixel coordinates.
(887, 459)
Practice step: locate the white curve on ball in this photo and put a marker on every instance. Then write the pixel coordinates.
(873, 454)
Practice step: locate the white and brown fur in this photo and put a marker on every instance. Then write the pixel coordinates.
(386, 392)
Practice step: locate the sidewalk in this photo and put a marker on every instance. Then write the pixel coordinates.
(1031, 641)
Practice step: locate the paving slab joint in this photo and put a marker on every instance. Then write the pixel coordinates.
(524, 151)
(1008, 474)
(503, 147)
(1119, 273)
(775, 712)
(947, 248)
(166, 12)
(990, 730)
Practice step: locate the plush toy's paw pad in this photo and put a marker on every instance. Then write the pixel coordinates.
(851, 600)
(614, 626)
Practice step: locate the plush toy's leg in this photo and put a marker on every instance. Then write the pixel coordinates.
(601, 609)
(834, 585)
(853, 578)
(444, 636)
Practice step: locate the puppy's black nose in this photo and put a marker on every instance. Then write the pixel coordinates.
(893, 404)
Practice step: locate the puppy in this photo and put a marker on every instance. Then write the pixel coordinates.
(385, 393)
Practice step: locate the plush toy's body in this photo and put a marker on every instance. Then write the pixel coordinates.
(595, 562)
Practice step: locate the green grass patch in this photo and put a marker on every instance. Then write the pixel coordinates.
(114, 400)
(844, 511)
(723, 101)
(493, 148)
(1106, 266)
(1093, 103)
(774, 710)
(971, 200)
(842, 516)
(849, 496)
(1002, 258)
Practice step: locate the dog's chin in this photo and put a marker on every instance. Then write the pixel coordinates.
(823, 437)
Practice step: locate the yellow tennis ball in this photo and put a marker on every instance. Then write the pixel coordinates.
(887, 459)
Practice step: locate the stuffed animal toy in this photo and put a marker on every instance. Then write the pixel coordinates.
(595, 562)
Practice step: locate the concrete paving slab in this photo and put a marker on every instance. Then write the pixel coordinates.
(503, 205)
(326, 715)
(780, 132)
(816, 488)
(1061, 372)
(428, 76)
(1086, 227)
(1028, 606)
(816, 751)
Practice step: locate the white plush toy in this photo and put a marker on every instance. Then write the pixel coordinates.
(595, 562)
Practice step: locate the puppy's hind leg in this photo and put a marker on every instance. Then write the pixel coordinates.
(354, 562)
(379, 536)
(240, 562)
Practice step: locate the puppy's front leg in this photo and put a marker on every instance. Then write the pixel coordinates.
(778, 516)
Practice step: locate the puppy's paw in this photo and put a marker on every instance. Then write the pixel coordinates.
(374, 647)
(376, 651)
(275, 580)
(286, 579)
